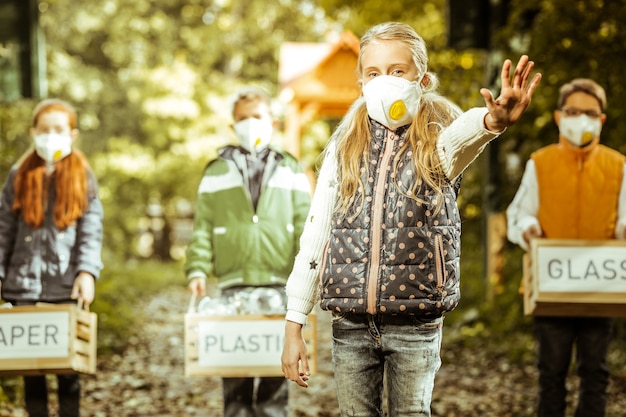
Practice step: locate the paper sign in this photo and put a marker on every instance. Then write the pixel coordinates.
(600, 269)
(34, 335)
(240, 343)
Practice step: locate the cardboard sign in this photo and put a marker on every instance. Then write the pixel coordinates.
(33, 335)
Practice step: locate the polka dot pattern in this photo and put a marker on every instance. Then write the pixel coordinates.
(415, 242)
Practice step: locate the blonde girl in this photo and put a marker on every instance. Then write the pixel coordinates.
(381, 245)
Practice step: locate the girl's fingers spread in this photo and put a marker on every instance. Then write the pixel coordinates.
(534, 83)
(505, 75)
(528, 70)
(524, 66)
(487, 96)
(518, 77)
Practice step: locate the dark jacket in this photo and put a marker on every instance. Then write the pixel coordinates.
(397, 255)
(41, 264)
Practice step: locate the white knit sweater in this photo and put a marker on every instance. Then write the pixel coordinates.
(458, 146)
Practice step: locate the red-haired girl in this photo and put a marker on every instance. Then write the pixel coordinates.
(51, 234)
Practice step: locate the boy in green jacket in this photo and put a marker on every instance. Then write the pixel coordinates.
(252, 204)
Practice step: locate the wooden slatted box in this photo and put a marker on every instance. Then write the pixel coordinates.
(240, 345)
(586, 278)
(47, 338)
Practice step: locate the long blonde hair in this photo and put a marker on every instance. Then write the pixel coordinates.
(353, 133)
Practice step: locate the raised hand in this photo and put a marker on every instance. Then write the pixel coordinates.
(514, 96)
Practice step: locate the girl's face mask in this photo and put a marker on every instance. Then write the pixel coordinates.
(580, 130)
(254, 134)
(52, 147)
(392, 101)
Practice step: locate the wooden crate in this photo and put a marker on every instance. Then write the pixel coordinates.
(47, 338)
(240, 345)
(584, 278)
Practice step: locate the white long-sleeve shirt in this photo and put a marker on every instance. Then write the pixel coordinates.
(522, 212)
(458, 146)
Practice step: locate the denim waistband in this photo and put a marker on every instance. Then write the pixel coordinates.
(389, 319)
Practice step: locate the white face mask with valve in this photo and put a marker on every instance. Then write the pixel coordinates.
(392, 101)
(579, 130)
(254, 134)
(52, 147)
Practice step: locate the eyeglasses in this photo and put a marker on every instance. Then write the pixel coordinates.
(573, 112)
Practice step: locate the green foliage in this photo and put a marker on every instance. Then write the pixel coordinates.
(120, 292)
(424, 16)
(14, 125)
(151, 82)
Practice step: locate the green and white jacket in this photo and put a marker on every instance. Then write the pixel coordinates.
(235, 243)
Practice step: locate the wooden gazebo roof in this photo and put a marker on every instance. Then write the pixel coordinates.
(317, 81)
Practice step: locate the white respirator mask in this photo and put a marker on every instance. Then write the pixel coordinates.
(52, 147)
(579, 130)
(392, 101)
(254, 134)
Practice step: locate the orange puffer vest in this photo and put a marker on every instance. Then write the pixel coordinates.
(578, 190)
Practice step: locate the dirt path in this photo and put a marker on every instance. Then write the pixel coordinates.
(149, 379)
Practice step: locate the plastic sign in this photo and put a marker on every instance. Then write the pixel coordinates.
(34, 335)
(240, 343)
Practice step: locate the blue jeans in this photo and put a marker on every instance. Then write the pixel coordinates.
(366, 348)
(556, 337)
(268, 399)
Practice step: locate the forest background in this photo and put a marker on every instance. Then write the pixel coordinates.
(151, 80)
